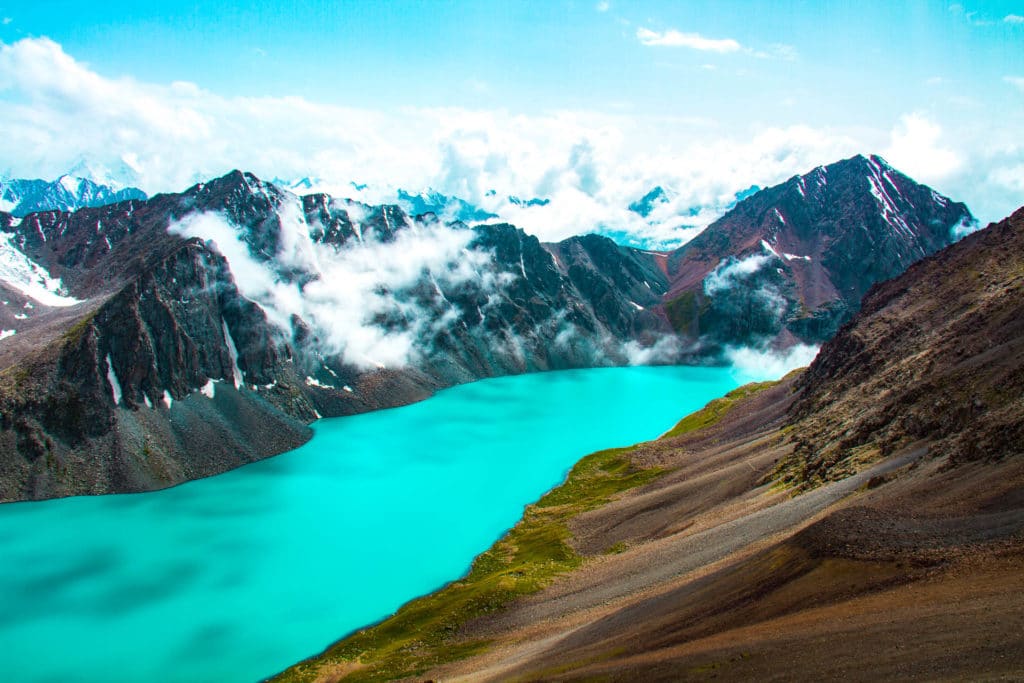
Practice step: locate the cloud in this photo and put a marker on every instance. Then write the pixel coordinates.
(756, 365)
(915, 149)
(603, 6)
(1013, 19)
(1015, 81)
(665, 350)
(731, 271)
(57, 112)
(694, 41)
(356, 298)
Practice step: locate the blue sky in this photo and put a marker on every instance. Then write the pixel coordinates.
(591, 87)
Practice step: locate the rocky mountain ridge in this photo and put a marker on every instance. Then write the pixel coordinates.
(224, 318)
(171, 348)
(20, 197)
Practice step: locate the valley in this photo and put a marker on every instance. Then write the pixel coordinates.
(739, 538)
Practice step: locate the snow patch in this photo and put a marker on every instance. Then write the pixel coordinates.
(314, 382)
(145, 399)
(794, 257)
(115, 385)
(4, 334)
(167, 399)
(30, 278)
(236, 372)
(208, 389)
(636, 305)
(767, 247)
(347, 388)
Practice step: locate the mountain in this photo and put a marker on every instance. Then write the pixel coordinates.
(205, 329)
(792, 262)
(66, 193)
(452, 208)
(933, 356)
(859, 520)
(645, 205)
(151, 342)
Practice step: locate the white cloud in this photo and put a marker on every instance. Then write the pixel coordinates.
(1015, 81)
(351, 288)
(694, 41)
(730, 270)
(1013, 19)
(915, 149)
(603, 6)
(665, 350)
(755, 365)
(57, 112)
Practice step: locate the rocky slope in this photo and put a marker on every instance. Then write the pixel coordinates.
(199, 331)
(792, 262)
(862, 519)
(934, 356)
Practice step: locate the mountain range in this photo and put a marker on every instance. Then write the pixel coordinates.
(149, 342)
(861, 519)
(21, 197)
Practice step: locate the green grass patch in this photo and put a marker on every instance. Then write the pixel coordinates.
(683, 312)
(424, 632)
(715, 410)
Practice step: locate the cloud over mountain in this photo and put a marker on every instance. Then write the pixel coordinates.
(590, 165)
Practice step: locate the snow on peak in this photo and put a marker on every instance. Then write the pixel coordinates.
(70, 183)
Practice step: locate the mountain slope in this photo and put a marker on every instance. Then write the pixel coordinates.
(67, 193)
(934, 355)
(793, 261)
(688, 557)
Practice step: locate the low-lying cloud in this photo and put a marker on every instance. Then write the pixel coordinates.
(591, 165)
(757, 365)
(351, 296)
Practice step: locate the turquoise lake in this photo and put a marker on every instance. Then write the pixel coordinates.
(236, 577)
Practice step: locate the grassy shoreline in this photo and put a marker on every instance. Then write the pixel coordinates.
(424, 633)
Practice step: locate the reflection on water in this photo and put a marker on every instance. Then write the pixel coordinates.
(235, 577)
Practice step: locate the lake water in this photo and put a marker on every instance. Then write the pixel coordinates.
(235, 577)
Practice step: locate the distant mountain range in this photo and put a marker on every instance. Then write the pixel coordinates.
(187, 334)
(67, 193)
